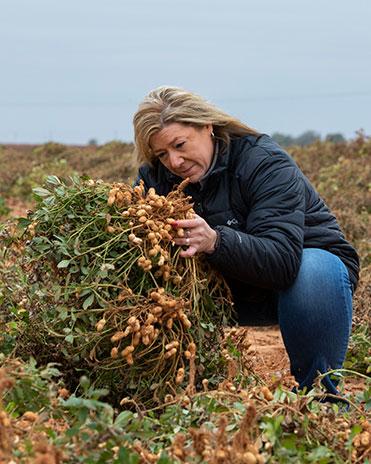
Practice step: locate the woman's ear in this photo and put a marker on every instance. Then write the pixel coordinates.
(209, 128)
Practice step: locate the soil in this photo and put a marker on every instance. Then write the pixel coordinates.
(17, 207)
(270, 360)
(269, 356)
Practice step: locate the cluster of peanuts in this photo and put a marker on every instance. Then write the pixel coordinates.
(167, 309)
(362, 442)
(119, 196)
(140, 333)
(146, 456)
(150, 217)
(216, 447)
(145, 327)
(162, 321)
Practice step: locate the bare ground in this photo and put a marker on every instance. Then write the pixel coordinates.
(17, 207)
(270, 360)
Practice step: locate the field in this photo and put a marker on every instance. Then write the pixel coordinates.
(54, 410)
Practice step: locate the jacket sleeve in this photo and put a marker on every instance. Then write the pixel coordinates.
(267, 253)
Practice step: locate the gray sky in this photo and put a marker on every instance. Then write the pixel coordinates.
(73, 70)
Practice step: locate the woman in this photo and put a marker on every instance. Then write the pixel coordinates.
(260, 223)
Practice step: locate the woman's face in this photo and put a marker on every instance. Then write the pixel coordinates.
(184, 150)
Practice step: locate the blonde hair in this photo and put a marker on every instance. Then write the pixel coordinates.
(166, 105)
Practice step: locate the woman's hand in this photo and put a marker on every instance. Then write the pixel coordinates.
(198, 236)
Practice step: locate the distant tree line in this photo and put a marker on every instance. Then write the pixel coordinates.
(306, 138)
(285, 140)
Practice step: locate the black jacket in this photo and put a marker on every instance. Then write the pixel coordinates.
(265, 210)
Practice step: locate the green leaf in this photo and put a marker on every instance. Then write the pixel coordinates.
(320, 455)
(123, 418)
(231, 427)
(88, 301)
(64, 263)
(85, 292)
(60, 191)
(23, 223)
(127, 457)
(63, 314)
(12, 325)
(54, 180)
(164, 459)
(289, 442)
(239, 406)
(41, 192)
(69, 338)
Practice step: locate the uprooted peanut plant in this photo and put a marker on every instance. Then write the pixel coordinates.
(114, 298)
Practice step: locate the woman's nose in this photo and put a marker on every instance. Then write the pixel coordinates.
(175, 160)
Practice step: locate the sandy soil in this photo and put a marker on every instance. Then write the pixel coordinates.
(18, 208)
(270, 360)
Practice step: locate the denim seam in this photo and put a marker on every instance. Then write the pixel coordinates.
(345, 282)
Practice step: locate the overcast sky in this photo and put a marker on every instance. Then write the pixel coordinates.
(74, 70)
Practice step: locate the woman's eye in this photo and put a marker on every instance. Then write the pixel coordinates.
(161, 155)
(179, 145)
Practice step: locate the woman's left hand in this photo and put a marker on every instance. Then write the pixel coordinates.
(198, 236)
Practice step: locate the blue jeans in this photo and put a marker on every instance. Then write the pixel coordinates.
(315, 317)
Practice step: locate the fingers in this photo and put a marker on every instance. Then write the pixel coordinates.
(197, 236)
(185, 241)
(189, 226)
(188, 223)
(189, 235)
(189, 252)
(187, 229)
